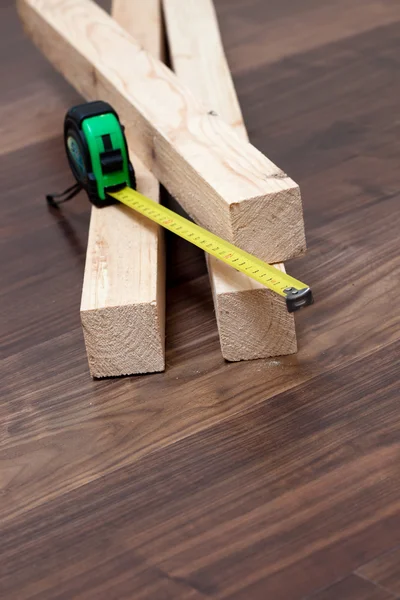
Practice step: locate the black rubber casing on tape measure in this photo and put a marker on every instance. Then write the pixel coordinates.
(73, 128)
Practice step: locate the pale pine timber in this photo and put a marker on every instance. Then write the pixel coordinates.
(123, 297)
(142, 20)
(224, 183)
(253, 322)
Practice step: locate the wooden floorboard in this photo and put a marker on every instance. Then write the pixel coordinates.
(274, 479)
(385, 571)
(280, 499)
(353, 588)
(268, 32)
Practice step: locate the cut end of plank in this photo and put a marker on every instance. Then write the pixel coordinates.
(270, 227)
(124, 340)
(253, 322)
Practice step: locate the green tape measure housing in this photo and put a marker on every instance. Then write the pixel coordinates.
(97, 151)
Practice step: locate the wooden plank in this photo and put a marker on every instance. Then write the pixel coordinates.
(123, 297)
(143, 20)
(253, 322)
(225, 184)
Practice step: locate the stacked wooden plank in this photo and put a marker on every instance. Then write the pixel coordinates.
(253, 322)
(123, 305)
(176, 130)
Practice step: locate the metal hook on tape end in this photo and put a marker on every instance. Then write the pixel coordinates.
(296, 299)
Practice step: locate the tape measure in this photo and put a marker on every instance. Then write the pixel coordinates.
(98, 156)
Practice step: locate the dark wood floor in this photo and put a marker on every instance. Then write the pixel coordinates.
(273, 479)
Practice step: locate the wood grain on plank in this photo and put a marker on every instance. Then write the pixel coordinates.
(253, 322)
(225, 184)
(123, 297)
(142, 20)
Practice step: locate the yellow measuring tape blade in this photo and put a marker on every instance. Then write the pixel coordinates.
(266, 274)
